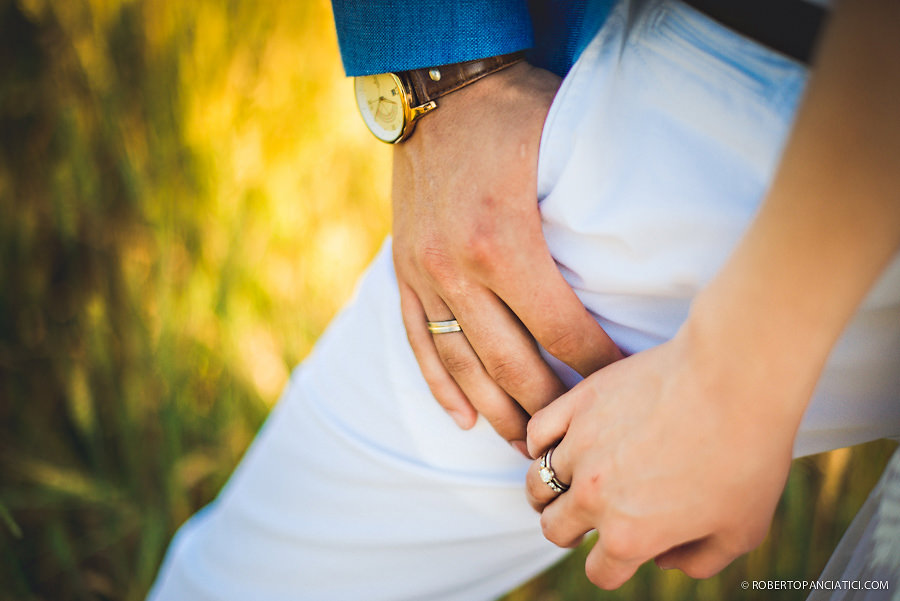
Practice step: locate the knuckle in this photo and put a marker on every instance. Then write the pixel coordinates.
(436, 263)
(604, 578)
(481, 248)
(534, 434)
(531, 491)
(689, 568)
(701, 569)
(460, 364)
(511, 374)
(403, 260)
(619, 540)
(509, 426)
(565, 344)
(550, 533)
(595, 574)
(491, 245)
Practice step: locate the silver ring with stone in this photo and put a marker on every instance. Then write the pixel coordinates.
(549, 476)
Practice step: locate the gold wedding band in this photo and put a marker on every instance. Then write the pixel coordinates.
(443, 327)
(549, 476)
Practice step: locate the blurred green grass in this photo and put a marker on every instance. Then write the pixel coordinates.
(186, 198)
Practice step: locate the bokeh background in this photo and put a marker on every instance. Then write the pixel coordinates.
(187, 196)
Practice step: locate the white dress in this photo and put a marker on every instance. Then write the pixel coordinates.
(656, 153)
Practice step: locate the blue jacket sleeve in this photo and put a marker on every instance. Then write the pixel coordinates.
(377, 36)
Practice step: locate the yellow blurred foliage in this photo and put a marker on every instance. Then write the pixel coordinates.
(188, 196)
(297, 189)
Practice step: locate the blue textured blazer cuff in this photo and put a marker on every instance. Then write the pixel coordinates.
(377, 36)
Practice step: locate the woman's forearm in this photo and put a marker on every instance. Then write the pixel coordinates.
(831, 221)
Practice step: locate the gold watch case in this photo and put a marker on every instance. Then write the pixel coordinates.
(386, 105)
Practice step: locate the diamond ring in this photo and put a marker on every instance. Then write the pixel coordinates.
(549, 476)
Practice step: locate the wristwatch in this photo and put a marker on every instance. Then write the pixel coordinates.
(390, 103)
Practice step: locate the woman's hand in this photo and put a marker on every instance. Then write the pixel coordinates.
(681, 452)
(678, 453)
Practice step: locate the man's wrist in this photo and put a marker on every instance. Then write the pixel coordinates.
(391, 103)
(515, 99)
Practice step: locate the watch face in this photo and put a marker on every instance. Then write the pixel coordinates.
(380, 99)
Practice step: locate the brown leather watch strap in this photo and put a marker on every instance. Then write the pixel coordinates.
(434, 82)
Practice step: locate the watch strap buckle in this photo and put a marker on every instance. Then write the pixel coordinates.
(422, 109)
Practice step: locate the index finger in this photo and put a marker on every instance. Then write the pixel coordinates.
(506, 350)
(549, 308)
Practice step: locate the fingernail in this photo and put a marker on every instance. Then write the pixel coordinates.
(521, 447)
(461, 420)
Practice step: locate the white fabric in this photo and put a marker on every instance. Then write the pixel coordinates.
(654, 160)
(655, 155)
(360, 487)
(866, 564)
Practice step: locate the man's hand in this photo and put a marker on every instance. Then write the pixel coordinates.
(468, 245)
